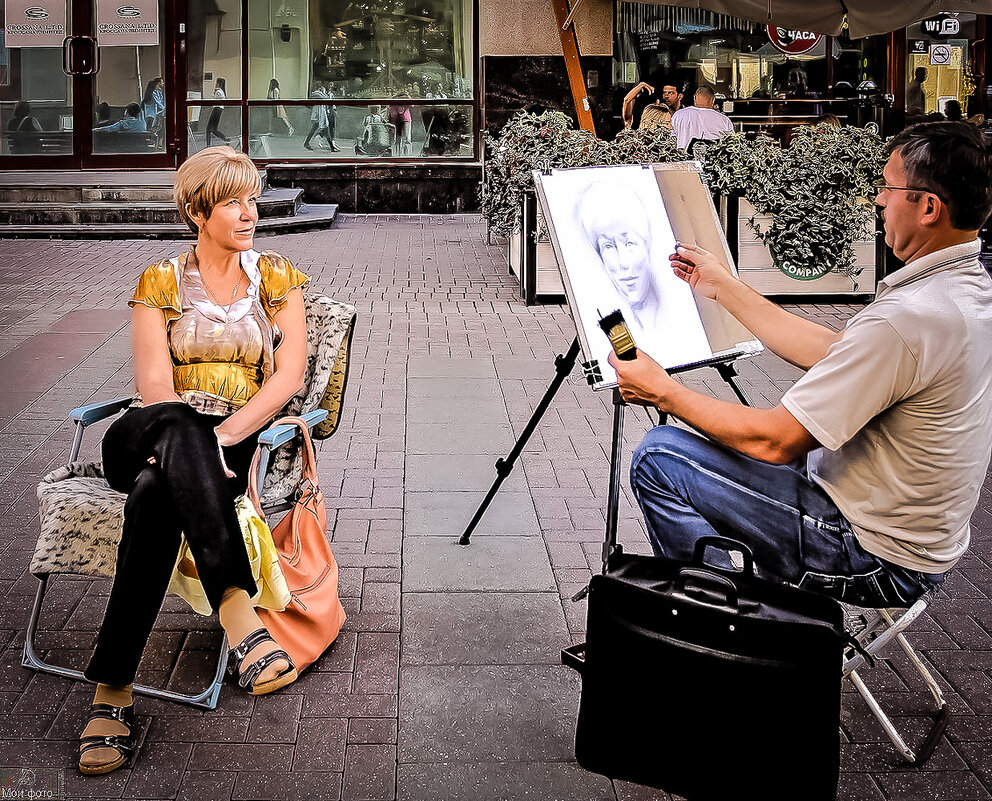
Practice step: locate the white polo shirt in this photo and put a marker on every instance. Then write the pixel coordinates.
(902, 405)
(695, 122)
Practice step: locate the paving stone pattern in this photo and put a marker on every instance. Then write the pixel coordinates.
(445, 682)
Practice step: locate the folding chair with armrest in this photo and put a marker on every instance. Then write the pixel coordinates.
(81, 516)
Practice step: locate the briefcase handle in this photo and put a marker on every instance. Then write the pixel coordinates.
(723, 544)
(708, 587)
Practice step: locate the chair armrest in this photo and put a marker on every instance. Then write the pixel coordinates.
(94, 412)
(271, 439)
(280, 435)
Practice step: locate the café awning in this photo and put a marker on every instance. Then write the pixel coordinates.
(864, 17)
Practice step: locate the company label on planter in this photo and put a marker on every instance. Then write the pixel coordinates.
(126, 23)
(793, 42)
(804, 273)
(29, 23)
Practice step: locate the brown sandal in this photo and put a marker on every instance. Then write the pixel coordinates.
(124, 744)
(247, 677)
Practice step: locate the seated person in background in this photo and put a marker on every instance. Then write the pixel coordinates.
(861, 482)
(654, 116)
(671, 97)
(829, 119)
(132, 122)
(374, 140)
(952, 110)
(102, 115)
(700, 121)
(22, 119)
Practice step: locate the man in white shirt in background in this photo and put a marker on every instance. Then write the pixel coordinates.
(700, 121)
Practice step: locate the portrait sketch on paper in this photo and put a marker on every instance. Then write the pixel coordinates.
(614, 238)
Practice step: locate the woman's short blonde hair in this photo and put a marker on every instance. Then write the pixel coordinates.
(655, 115)
(210, 176)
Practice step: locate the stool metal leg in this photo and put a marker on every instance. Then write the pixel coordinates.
(888, 629)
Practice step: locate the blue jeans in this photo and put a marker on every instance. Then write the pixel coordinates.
(689, 487)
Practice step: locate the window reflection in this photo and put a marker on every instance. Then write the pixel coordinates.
(366, 131)
(378, 49)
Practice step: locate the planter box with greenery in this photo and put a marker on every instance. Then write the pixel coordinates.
(806, 218)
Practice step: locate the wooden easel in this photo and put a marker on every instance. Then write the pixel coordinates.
(570, 49)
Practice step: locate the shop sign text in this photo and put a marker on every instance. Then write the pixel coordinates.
(941, 27)
(793, 42)
(126, 23)
(29, 23)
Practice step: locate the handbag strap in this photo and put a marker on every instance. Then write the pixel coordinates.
(309, 471)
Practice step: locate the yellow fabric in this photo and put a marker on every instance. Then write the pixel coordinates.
(233, 380)
(279, 276)
(157, 289)
(273, 593)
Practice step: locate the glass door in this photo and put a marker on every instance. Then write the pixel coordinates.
(89, 84)
(127, 98)
(36, 95)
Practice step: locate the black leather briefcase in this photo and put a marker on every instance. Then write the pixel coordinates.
(708, 682)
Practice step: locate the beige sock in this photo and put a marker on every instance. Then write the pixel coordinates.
(115, 696)
(239, 619)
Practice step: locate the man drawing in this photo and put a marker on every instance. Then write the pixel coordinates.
(861, 482)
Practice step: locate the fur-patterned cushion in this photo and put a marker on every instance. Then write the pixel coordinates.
(81, 516)
(328, 321)
(81, 519)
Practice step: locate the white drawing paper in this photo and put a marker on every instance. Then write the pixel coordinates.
(614, 238)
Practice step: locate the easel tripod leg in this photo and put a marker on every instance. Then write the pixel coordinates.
(613, 498)
(563, 366)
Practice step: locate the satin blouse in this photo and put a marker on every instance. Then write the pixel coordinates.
(221, 356)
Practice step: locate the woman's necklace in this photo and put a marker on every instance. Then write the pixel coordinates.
(213, 297)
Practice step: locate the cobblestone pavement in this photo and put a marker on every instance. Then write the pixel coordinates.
(445, 682)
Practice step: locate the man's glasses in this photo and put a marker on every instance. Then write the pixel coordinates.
(880, 185)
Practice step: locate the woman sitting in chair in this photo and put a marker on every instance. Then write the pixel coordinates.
(219, 346)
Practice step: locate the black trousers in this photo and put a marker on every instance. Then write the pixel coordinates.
(185, 491)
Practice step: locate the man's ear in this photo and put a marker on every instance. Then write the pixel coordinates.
(931, 210)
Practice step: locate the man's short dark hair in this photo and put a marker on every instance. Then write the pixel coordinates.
(952, 160)
(132, 110)
(921, 74)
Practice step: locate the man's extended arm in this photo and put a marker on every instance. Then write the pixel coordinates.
(628, 103)
(772, 435)
(799, 341)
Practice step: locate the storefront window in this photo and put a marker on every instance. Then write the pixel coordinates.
(767, 79)
(937, 67)
(213, 48)
(336, 78)
(369, 50)
(214, 125)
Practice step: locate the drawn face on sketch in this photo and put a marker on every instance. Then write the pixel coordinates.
(617, 226)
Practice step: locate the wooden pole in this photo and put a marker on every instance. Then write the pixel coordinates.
(570, 48)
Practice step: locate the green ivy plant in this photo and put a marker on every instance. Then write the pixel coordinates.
(818, 191)
(545, 141)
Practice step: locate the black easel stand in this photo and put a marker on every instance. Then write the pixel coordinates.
(563, 366)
